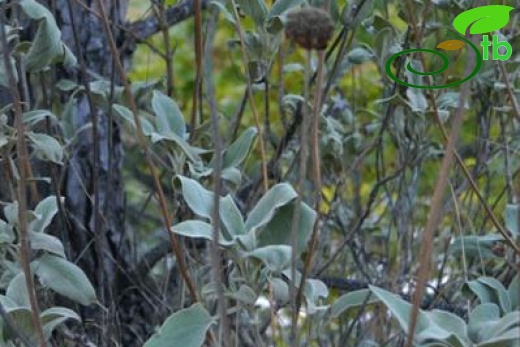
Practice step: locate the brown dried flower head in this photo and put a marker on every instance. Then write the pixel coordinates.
(309, 27)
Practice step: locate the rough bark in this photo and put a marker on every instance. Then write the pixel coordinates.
(100, 247)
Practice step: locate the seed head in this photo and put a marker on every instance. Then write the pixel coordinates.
(309, 27)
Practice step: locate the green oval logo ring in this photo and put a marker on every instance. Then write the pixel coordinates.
(443, 68)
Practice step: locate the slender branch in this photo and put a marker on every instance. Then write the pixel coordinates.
(245, 61)
(168, 56)
(216, 257)
(248, 193)
(489, 211)
(99, 235)
(316, 163)
(237, 118)
(510, 91)
(197, 91)
(144, 144)
(302, 172)
(149, 26)
(24, 86)
(360, 221)
(21, 150)
(435, 211)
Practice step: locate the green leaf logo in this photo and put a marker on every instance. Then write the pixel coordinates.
(483, 19)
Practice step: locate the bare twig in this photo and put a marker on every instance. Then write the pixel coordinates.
(435, 211)
(359, 222)
(258, 125)
(197, 91)
(168, 56)
(302, 172)
(510, 91)
(216, 259)
(149, 26)
(316, 164)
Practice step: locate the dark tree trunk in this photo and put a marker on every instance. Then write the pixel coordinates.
(96, 240)
(98, 246)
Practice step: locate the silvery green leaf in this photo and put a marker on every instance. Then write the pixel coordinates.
(488, 289)
(275, 257)
(186, 328)
(416, 99)
(11, 212)
(237, 152)
(513, 290)
(512, 215)
(198, 198)
(352, 300)
(476, 246)
(279, 289)
(128, 116)
(244, 294)
(17, 291)
(199, 229)
(232, 174)
(168, 116)
(6, 232)
(46, 147)
(275, 198)
(44, 212)
(49, 243)
(65, 278)
(430, 326)
(35, 116)
(278, 229)
(46, 47)
(227, 15)
(480, 320)
(54, 316)
(4, 81)
(256, 9)
(231, 217)
(359, 55)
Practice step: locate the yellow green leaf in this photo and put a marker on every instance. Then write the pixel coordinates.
(451, 45)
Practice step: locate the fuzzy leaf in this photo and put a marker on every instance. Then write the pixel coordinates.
(65, 278)
(168, 116)
(46, 147)
(186, 328)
